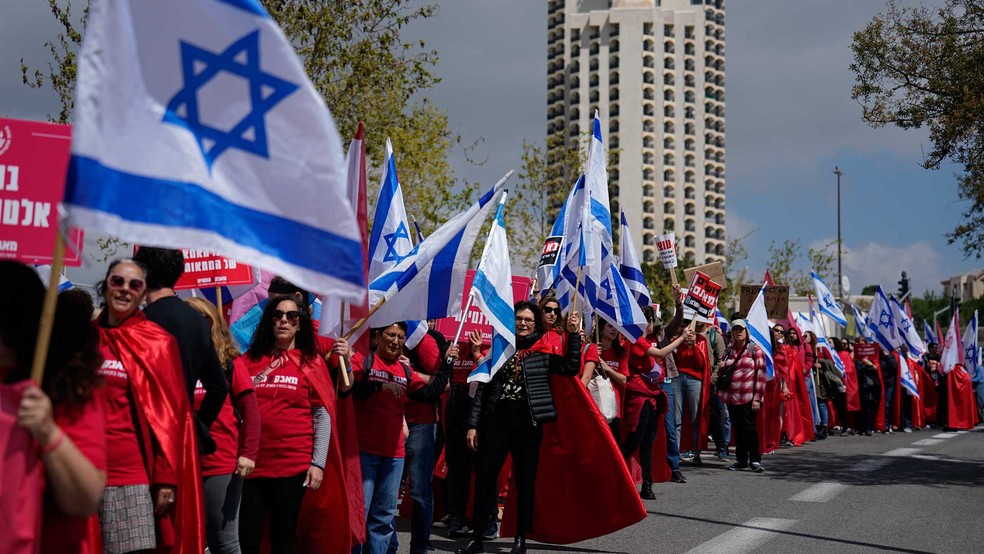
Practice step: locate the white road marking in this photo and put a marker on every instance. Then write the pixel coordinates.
(745, 538)
(821, 492)
(927, 442)
(945, 436)
(902, 452)
(871, 464)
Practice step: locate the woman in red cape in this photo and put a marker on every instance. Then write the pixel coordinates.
(792, 423)
(151, 360)
(768, 420)
(853, 401)
(961, 405)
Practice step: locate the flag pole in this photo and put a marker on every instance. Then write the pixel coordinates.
(577, 285)
(48, 312)
(362, 322)
(218, 301)
(464, 314)
(346, 382)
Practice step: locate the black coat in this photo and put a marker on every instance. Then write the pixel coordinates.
(535, 368)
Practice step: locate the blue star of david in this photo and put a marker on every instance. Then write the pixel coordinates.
(969, 353)
(241, 58)
(906, 325)
(391, 255)
(885, 319)
(606, 285)
(828, 300)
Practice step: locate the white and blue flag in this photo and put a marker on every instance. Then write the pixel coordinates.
(196, 125)
(972, 358)
(821, 333)
(928, 333)
(905, 329)
(828, 305)
(759, 331)
(860, 322)
(44, 272)
(492, 293)
(881, 322)
(722, 322)
(548, 275)
(428, 284)
(804, 321)
(630, 268)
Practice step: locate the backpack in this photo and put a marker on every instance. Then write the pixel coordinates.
(601, 391)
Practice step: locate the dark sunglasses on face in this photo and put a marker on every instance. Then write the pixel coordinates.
(119, 282)
(293, 316)
(550, 310)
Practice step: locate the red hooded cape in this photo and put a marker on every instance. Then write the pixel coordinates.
(919, 376)
(927, 396)
(686, 434)
(789, 369)
(21, 478)
(767, 420)
(583, 488)
(153, 365)
(802, 394)
(961, 405)
(851, 382)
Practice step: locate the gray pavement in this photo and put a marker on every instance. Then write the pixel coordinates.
(846, 494)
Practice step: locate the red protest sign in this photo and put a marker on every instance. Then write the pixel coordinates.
(475, 319)
(33, 161)
(205, 269)
(702, 296)
(867, 351)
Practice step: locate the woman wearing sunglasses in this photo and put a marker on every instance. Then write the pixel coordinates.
(290, 384)
(154, 483)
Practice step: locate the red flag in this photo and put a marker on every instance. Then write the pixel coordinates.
(939, 333)
(792, 322)
(768, 279)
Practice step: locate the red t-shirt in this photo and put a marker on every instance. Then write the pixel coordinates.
(126, 465)
(430, 360)
(464, 365)
(225, 430)
(86, 427)
(589, 354)
(285, 398)
(380, 416)
(640, 363)
(619, 364)
(686, 361)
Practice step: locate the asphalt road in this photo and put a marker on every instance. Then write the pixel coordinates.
(904, 492)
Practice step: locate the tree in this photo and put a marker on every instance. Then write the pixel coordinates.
(916, 67)
(869, 290)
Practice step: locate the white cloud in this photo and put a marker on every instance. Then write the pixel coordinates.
(738, 226)
(871, 263)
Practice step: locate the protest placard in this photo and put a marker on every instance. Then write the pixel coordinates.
(702, 295)
(776, 300)
(206, 269)
(475, 319)
(714, 270)
(33, 161)
(551, 249)
(667, 250)
(868, 351)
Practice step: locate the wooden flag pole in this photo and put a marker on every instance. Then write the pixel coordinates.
(48, 312)
(346, 382)
(361, 323)
(218, 301)
(673, 277)
(577, 285)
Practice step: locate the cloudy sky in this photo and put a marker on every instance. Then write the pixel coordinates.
(790, 122)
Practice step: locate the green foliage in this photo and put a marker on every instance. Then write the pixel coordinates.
(783, 260)
(869, 290)
(60, 75)
(924, 67)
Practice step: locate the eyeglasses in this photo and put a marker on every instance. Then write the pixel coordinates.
(119, 282)
(526, 320)
(549, 310)
(293, 316)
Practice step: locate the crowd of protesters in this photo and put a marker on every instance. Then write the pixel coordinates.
(152, 431)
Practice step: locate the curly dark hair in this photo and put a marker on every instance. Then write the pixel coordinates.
(282, 287)
(264, 343)
(72, 364)
(537, 314)
(163, 266)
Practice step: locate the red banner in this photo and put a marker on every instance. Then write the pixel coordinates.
(475, 319)
(33, 162)
(205, 269)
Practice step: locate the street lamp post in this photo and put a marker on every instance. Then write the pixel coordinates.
(840, 277)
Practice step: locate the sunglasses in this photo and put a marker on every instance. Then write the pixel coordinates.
(549, 310)
(120, 282)
(293, 316)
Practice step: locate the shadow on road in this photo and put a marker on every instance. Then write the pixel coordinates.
(832, 540)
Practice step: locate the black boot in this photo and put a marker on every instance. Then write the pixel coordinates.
(821, 432)
(647, 490)
(474, 546)
(519, 545)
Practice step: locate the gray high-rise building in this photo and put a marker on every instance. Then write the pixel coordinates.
(654, 69)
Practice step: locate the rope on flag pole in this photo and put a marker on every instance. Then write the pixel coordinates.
(48, 312)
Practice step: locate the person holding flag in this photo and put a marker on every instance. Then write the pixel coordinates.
(958, 402)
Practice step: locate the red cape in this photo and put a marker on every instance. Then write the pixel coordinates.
(767, 420)
(896, 416)
(961, 405)
(851, 382)
(927, 395)
(153, 364)
(802, 394)
(686, 434)
(21, 478)
(788, 367)
(919, 376)
(583, 488)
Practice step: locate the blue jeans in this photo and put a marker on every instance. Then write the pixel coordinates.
(687, 388)
(889, 397)
(812, 393)
(420, 458)
(720, 425)
(381, 489)
(672, 435)
(823, 413)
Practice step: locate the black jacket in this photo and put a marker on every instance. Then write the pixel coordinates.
(536, 368)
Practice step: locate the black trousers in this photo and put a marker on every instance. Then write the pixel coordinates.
(870, 404)
(510, 430)
(276, 498)
(942, 401)
(642, 439)
(746, 436)
(457, 455)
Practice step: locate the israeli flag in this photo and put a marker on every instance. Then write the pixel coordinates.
(44, 272)
(572, 245)
(860, 322)
(722, 322)
(971, 352)
(759, 331)
(492, 293)
(822, 342)
(428, 283)
(881, 323)
(828, 305)
(630, 268)
(906, 330)
(928, 333)
(391, 240)
(549, 275)
(617, 306)
(187, 121)
(804, 322)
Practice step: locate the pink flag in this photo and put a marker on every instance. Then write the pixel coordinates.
(952, 347)
(21, 478)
